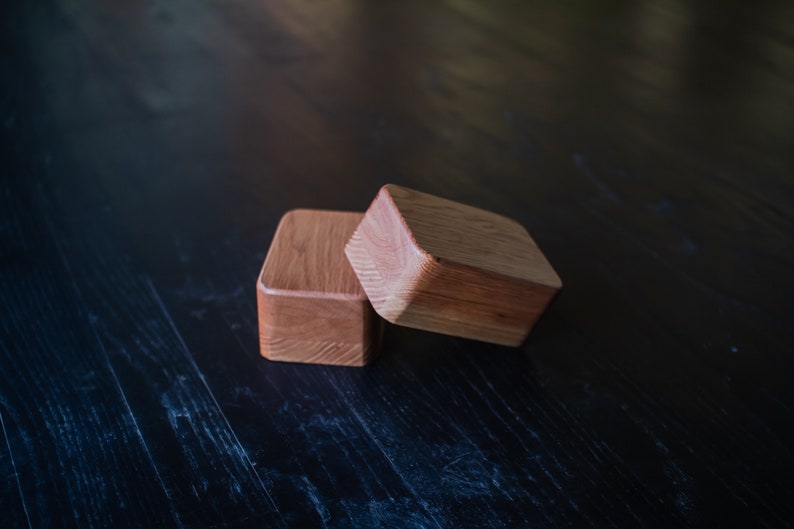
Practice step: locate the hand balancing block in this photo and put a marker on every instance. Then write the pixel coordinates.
(433, 264)
(312, 308)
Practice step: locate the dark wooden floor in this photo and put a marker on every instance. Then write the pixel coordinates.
(148, 149)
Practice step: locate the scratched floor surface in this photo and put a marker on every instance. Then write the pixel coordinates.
(148, 149)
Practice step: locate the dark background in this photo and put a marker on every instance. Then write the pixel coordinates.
(148, 149)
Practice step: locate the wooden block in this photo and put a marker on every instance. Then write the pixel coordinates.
(312, 308)
(438, 265)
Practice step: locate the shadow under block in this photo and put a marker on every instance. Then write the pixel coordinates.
(433, 264)
(312, 308)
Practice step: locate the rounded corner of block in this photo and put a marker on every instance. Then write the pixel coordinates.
(518, 344)
(429, 259)
(293, 212)
(429, 265)
(369, 356)
(421, 253)
(517, 225)
(264, 353)
(388, 313)
(389, 193)
(266, 290)
(351, 244)
(387, 188)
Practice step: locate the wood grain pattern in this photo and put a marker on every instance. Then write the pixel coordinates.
(311, 306)
(149, 149)
(107, 417)
(434, 264)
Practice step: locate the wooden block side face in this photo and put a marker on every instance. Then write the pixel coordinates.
(318, 331)
(432, 264)
(386, 259)
(311, 306)
(471, 236)
(463, 301)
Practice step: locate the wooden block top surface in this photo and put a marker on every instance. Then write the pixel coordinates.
(306, 257)
(471, 236)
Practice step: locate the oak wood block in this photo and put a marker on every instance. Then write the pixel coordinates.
(434, 264)
(312, 308)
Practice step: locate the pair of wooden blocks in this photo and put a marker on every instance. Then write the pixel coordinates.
(416, 259)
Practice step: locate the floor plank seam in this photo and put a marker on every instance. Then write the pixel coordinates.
(92, 319)
(16, 473)
(138, 431)
(380, 448)
(193, 364)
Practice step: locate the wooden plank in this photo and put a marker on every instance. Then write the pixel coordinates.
(172, 135)
(196, 455)
(112, 418)
(79, 456)
(322, 462)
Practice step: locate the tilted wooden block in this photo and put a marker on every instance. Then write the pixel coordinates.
(438, 265)
(312, 308)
